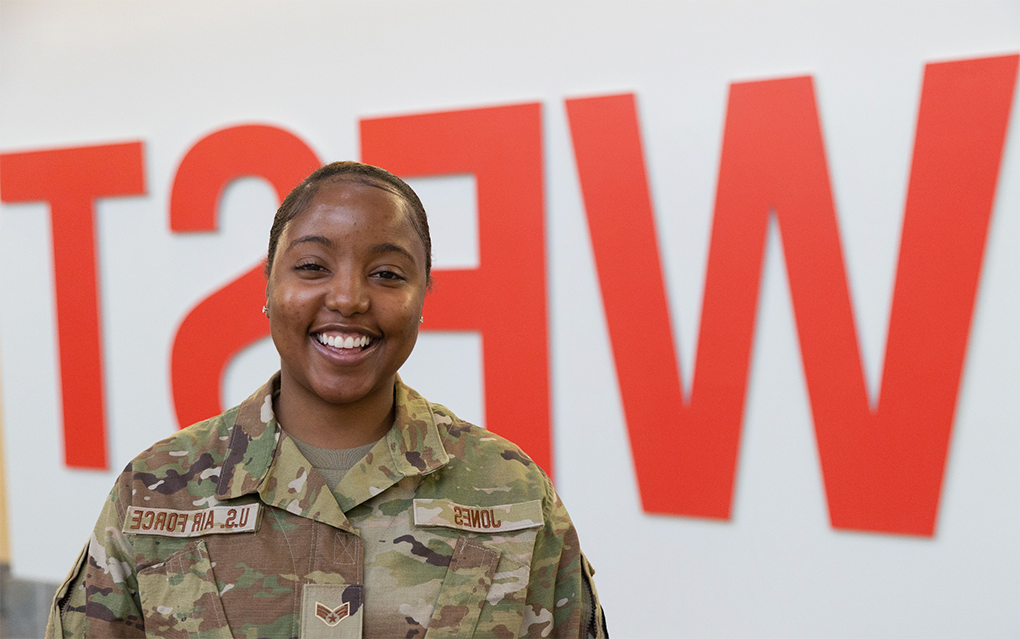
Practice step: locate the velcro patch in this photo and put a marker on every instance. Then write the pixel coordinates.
(217, 520)
(331, 611)
(485, 519)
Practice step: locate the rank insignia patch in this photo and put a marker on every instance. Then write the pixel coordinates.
(332, 611)
(332, 616)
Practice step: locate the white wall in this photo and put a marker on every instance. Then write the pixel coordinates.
(168, 73)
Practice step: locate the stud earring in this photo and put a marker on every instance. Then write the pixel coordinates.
(421, 319)
(265, 310)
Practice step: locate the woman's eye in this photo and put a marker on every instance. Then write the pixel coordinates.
(308, 266)
(388, 275)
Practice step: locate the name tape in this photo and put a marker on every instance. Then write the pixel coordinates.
(217, 520)
(486, 519)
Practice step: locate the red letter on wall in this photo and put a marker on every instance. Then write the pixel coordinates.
(882, 470)
(229, 319)
(71, 180)
(504, 298)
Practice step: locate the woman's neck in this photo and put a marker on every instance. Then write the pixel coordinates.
(305, 416)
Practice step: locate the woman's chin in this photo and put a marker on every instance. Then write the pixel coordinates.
(351, 393)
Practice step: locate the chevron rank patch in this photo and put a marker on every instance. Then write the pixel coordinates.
(332, 617)
(331, 611)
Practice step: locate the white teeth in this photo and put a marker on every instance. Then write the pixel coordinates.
(337, 341)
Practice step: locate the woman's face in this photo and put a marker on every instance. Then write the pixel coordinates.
(345, 294)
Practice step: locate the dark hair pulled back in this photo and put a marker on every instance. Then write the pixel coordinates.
(298, 200)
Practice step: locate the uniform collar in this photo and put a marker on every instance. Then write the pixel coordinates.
(414, 440)
(261, 458)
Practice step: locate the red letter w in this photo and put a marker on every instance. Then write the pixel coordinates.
(882, 469)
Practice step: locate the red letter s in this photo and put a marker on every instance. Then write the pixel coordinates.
(229, 319)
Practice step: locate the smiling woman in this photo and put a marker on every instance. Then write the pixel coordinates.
(345, 295)
(335, 501)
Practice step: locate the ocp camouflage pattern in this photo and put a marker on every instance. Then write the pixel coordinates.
(225, 530)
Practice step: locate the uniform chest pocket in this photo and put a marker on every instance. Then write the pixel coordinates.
(179, 597)
(486, 586)
(465, 587)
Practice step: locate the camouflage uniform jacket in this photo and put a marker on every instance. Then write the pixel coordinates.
(224, 529)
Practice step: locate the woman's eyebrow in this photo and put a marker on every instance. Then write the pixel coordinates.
(378, 249)
(315, 239)
(387, 247)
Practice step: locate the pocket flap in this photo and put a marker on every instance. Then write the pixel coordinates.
(179, 596)
(467, 582)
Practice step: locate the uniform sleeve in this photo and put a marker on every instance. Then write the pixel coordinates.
(561, 590)
(99, 597)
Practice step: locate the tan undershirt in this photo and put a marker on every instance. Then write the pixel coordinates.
(332, 463)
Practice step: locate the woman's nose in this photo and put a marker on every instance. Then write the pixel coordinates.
(347, 295)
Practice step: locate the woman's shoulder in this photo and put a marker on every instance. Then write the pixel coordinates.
(189, 451)
(489, 458)
(488, 471)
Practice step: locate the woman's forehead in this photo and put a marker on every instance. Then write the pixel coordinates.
(355, 187)
(346, 207)
(356, 201)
